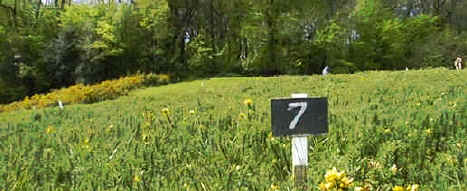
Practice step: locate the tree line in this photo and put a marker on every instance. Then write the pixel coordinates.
(49, 44)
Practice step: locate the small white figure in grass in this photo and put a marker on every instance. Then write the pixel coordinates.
(60, 105)
(326, 71)
(187, 37)
(458, 63)
(406, 68)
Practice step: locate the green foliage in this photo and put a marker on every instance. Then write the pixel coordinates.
(332, 39)
(386, 129)
(45, 49)
(203, 59)
(150, 40)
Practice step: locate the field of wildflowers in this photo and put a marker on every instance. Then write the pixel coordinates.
(387, 131)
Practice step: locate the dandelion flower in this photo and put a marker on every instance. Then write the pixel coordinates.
(346, 182)
(165, 111)
(49, 130)
(331, 175)
(248, 102)
(340, 175)
(329, 185)
(322, 186)
(137, 178)
(145, 138)
(274, 187)
(428, 131)
(398, 188)
(242, 116)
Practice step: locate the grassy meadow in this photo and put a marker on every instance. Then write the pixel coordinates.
(387, 131)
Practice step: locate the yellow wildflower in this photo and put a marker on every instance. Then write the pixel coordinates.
(398, 188)
(146, 138)
(50, 130)
(86, 144)
(322, 186)
(331, 175)
(326, 186)
(137, 178)
(346, 182)
(274, 187)
(248, 102)
(428, 131)
(329, 185)
(242, 116)
(165, 111)
(413, 187)
(271, 137)
(192, 111)
(340, 175)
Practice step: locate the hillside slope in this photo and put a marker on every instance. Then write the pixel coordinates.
(200, 135)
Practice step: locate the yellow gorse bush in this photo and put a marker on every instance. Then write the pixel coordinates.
(335, 180)
(80, 93)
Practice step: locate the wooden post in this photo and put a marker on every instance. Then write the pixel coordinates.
(300, 155)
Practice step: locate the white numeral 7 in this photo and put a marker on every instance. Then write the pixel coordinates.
(295, 120)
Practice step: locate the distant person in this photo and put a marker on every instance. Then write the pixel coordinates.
(325, 71)
(458, 63)
(187, 37)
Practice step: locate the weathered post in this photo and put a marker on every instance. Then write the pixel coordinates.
(299, 153)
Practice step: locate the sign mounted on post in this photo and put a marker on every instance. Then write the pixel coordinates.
(299, 116)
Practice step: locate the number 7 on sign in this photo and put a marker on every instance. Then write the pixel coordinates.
(295, 120)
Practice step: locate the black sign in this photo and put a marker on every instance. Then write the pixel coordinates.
(298, 116)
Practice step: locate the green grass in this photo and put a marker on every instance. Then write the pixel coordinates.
(415, 120)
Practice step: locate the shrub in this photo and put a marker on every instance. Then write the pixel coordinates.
(80, 93)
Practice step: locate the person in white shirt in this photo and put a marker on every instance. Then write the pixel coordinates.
(458, 63)
(325, 71)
